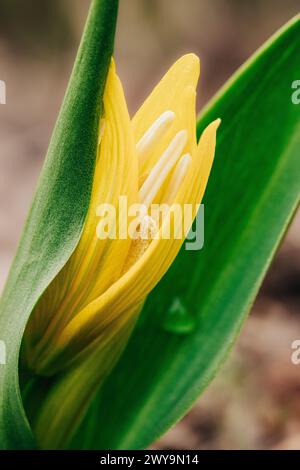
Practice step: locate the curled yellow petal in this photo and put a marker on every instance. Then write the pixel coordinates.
(95, 264)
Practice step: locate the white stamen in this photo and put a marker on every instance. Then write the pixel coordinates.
(177, 178)
(163, 167)
(148, 228)
(155, 132)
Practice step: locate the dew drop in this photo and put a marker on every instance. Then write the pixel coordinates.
(178, 320)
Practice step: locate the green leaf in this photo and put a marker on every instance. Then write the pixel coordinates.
(253, 192)
(58, 212)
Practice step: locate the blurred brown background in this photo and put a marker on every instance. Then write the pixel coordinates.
(255, 401)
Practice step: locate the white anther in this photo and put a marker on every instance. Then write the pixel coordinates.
(155, 132)
(163, 167)
(177, 178)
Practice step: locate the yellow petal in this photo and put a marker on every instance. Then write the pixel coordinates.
(176, 92)
(70, 394)
(95, 264)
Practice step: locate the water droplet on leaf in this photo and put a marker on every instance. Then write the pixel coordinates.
(178, 320)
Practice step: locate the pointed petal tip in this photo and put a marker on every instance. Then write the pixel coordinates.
(113, 63)
(210, 132)
(214, 125)
(217, 123)
(191, 58)
(190, 61)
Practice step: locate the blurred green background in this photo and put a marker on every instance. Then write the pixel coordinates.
(255, 401)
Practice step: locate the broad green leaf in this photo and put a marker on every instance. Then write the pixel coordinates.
(253, 192)
(56, 219)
